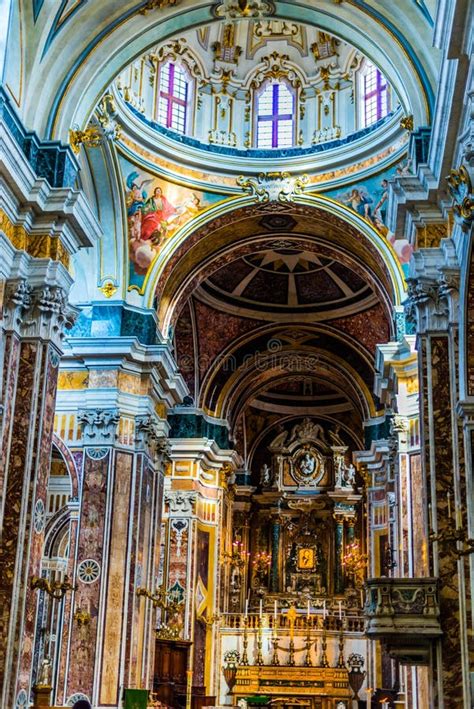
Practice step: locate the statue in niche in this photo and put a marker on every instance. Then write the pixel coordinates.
(266, 477)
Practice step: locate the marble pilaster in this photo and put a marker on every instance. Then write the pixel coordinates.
(433, 301)
(35, 316)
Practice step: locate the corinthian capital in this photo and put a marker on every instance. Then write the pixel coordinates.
(98, 425)
(42, 311)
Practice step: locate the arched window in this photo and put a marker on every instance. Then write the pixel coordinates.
(275, 110)
(173, 93)
(374, 93)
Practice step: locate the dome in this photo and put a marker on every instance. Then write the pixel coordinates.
(262, 91)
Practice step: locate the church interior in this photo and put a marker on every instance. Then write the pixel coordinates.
(237, 354)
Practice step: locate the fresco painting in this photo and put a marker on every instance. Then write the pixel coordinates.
(369, 199)
(156, 209)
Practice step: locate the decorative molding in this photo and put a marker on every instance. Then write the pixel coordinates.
(42, 312)
(244, 9)
(273, 186)
(98, 426)
(36, 245)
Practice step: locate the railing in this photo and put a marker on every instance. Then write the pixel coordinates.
(331, 622)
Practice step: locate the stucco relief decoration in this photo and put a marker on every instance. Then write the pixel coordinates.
(156, 210)
(88, 571)
(461, 190)
(273, 186)
(180, 502)
(244, 9)
(98, 425)
(158, 5)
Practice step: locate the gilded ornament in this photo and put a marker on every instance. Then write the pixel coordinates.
(158, 5)
(407, 122)
(36, 245)
(90, 138)
(461, 190)
(108, 289)
(244, 9)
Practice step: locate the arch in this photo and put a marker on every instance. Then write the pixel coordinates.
(102, 49)
(70, 464)
(186, 258)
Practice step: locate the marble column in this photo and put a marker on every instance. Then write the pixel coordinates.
(275, 567)
(338, 549)
(433, 302)
(34, 318)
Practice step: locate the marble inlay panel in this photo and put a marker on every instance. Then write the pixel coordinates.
(116, 579)
(90, 546)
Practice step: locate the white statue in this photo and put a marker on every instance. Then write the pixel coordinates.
(265, 475)
(44, 676)
(350, 476)
(307, 464)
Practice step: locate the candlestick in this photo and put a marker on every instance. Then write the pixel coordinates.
(275, 658)
(307, 661)
(259, 655)
(245, 641)
(430, 515)
(324, 657)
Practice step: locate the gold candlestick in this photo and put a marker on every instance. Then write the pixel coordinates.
(245, 643)
(259, 657)
(324, 657)
(291, 656)
(307, 661)
(340, 661)
(275, 658)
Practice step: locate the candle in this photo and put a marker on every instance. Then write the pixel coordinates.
(430, 516)
(449, 504)
(260, 608)
(246, 606)
(458, 518)
(340, 610)
(324, 608)
(308, 610)
(275, 610)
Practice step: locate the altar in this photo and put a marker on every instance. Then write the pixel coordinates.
(312, 687)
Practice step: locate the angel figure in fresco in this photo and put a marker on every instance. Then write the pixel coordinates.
(157, 214)
(359, 201)
(136, 195)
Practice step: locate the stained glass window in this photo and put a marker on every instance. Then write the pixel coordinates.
(173, 97)
(375, 92)
(275, 117)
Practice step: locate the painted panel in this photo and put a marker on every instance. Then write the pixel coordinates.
(156, 209)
